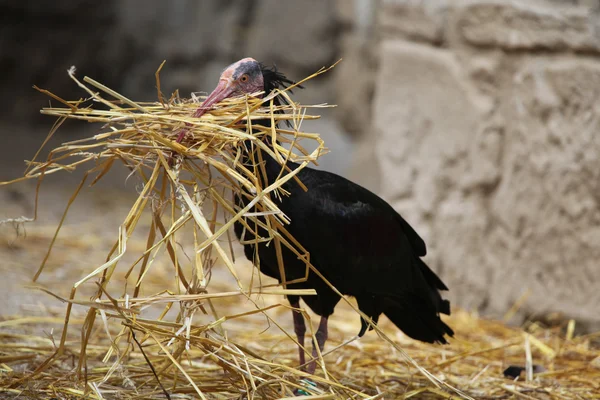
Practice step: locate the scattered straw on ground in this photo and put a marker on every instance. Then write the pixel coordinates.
(191, 338)
(262, 365)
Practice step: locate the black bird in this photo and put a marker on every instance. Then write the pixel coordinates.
(355, 239)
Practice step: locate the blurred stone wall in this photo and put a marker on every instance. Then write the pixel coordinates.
(487, 134)
(122, 43)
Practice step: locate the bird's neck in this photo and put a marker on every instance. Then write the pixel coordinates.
(254, 155)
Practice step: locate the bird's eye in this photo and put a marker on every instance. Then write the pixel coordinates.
(244, 78)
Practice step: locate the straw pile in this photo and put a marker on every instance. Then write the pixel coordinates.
(122, 347)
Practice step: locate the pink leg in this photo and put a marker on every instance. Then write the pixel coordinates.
(321, 337)
(300, 329)
(181, 135)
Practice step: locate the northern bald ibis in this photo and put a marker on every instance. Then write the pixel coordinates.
(355, 239)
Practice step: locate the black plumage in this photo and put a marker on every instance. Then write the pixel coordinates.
(355, 239)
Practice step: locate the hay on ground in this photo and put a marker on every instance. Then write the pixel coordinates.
(115, 350)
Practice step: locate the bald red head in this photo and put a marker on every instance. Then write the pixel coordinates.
(242, 77)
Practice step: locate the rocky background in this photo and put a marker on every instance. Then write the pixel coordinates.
(493, 109)
(476, 119)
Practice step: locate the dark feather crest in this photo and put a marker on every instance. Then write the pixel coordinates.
(275, 80)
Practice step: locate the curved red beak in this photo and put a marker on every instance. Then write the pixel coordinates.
(223, 90)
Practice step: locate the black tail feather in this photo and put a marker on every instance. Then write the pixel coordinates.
(417, 320)
(430, 276)
(435, 284)
(445, 307)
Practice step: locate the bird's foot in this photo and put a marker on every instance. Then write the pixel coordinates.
(306, 383)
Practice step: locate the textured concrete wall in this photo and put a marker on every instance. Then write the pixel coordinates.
(487, 133)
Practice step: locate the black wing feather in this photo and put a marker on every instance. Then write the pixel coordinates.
(367, 250)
